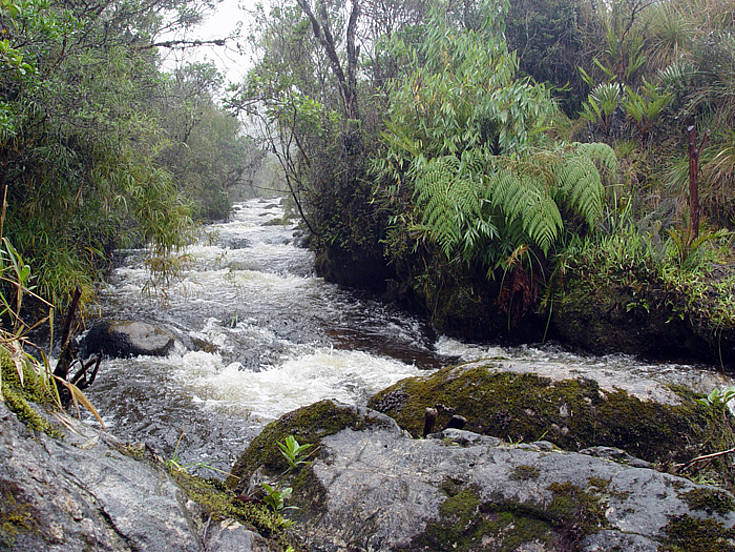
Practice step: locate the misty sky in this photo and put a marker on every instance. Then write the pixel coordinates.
(219, 24)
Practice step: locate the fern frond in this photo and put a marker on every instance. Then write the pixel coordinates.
(524, 198)
(599, 152)
(449, 195)
(579, 186)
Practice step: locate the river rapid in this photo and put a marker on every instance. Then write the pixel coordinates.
(263, 335)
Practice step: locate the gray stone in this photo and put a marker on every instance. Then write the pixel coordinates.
(124, 338)
(616, 455)
(465, 438)
(377, 489)
(83, 493)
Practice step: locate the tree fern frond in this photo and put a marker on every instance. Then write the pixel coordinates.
(603, 154)
(580, 187)
(524, 198)
(451, 204)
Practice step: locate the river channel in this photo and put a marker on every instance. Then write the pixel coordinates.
(263, 335)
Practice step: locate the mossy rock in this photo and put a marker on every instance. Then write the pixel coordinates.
(21, 397)
(572, 413)
(308, 425)
(466, 523)
(689, 534)
(612, 318)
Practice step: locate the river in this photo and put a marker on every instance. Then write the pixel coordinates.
(264, 335)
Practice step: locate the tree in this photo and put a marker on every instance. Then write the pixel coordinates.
(467, 165)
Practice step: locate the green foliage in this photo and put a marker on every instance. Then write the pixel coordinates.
(295, 455)
(466, 138)
(82, 139)
(718, 399)
(293, 452)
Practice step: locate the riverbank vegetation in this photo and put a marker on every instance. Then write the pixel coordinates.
(505, 165)
(489, 163)
(99, 147)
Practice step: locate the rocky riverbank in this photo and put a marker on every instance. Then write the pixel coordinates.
(550, 459)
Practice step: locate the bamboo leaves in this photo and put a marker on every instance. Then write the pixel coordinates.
(471, 143)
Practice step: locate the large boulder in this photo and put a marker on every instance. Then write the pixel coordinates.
(124, 338)
(88, 491)
(371, 487)
(521, 401)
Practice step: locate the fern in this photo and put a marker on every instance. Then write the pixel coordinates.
(600, 152)
(580, 187)
(450, 195)
(467, 204)
(523, 197)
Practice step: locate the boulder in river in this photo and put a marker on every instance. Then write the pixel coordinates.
(124, 338)
(520, 401)
(371, 487)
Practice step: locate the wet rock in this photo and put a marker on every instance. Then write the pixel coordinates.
(124, 338)
(616, 455)
(89, 492)
(361, 269)
(372, 487)
(524, 402)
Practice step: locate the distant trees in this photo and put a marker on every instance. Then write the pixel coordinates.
(98, 148)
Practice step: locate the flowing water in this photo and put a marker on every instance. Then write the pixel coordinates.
(262, 335)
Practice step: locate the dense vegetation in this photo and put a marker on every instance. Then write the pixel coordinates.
(490, 156)
(492, 161)
(99, 147)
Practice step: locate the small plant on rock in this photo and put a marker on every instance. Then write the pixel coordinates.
(295, 455)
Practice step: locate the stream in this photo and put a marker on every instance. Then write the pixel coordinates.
(264, 336)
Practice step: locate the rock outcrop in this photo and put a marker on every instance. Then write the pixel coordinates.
(520, 401)
(371, 487)
(124, 338)
(88, 491)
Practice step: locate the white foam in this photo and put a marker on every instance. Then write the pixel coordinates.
(448, 346)
(347, 376)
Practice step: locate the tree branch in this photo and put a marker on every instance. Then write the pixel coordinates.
(182, 43)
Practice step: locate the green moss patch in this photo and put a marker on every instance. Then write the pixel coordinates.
(573, 414)
(465, 522)
(709, 500)
(687, 534)
(524, 473)
(220, 503)
(18, 396)
(16, 517)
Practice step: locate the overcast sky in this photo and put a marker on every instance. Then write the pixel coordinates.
(219, 24)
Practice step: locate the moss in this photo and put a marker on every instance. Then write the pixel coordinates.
(687, 534)
(578, 510)
(221, 503)
(598, 483)
(18, 396)
(308, 425)
(709, 500)
(16, 517)
(466, 524)
(573, 414)
(524, 473)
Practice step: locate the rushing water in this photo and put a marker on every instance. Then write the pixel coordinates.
(263, 336)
